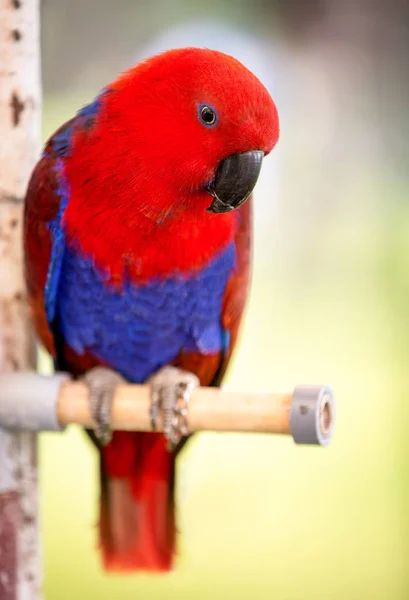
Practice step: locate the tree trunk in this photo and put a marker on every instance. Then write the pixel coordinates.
(20, 122)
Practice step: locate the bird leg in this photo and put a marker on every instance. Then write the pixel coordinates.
(171, 389)
(102, 383)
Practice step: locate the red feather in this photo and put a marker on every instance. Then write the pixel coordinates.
(137, 173)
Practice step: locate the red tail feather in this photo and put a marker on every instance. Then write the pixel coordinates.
(137, 519)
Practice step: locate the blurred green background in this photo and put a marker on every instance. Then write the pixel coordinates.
(260, 517)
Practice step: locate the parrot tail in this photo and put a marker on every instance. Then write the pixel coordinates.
(137, 516)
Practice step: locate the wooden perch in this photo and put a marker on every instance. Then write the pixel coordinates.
(30, 401)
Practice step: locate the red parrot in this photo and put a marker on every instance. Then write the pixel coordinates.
(137, 248)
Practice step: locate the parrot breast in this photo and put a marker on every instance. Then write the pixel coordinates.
(137, 328)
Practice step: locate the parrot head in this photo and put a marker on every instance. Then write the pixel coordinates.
(189, 124)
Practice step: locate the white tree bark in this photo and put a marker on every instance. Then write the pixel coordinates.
(20, 138)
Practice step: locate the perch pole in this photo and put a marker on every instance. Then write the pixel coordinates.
(49, 403)
(20, 137)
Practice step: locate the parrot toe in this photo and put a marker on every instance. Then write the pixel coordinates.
(102, 383)
(170, 395)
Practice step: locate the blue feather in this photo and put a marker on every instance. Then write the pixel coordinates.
(138, 329)
(57, 247)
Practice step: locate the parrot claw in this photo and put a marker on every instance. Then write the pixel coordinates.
(101, 383)
(171, 389)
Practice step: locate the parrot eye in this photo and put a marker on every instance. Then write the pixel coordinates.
(207, 115)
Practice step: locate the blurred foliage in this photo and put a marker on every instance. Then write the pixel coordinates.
(260, 517)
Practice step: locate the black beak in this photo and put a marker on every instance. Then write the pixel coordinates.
(235, 180)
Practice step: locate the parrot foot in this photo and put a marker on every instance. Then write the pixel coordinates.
(170, 394)
(101, 383)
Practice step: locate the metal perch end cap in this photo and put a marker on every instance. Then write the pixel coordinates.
(312, 415)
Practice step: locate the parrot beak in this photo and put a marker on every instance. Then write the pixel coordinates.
(235, 179)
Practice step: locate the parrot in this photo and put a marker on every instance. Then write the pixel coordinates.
(137, 246)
